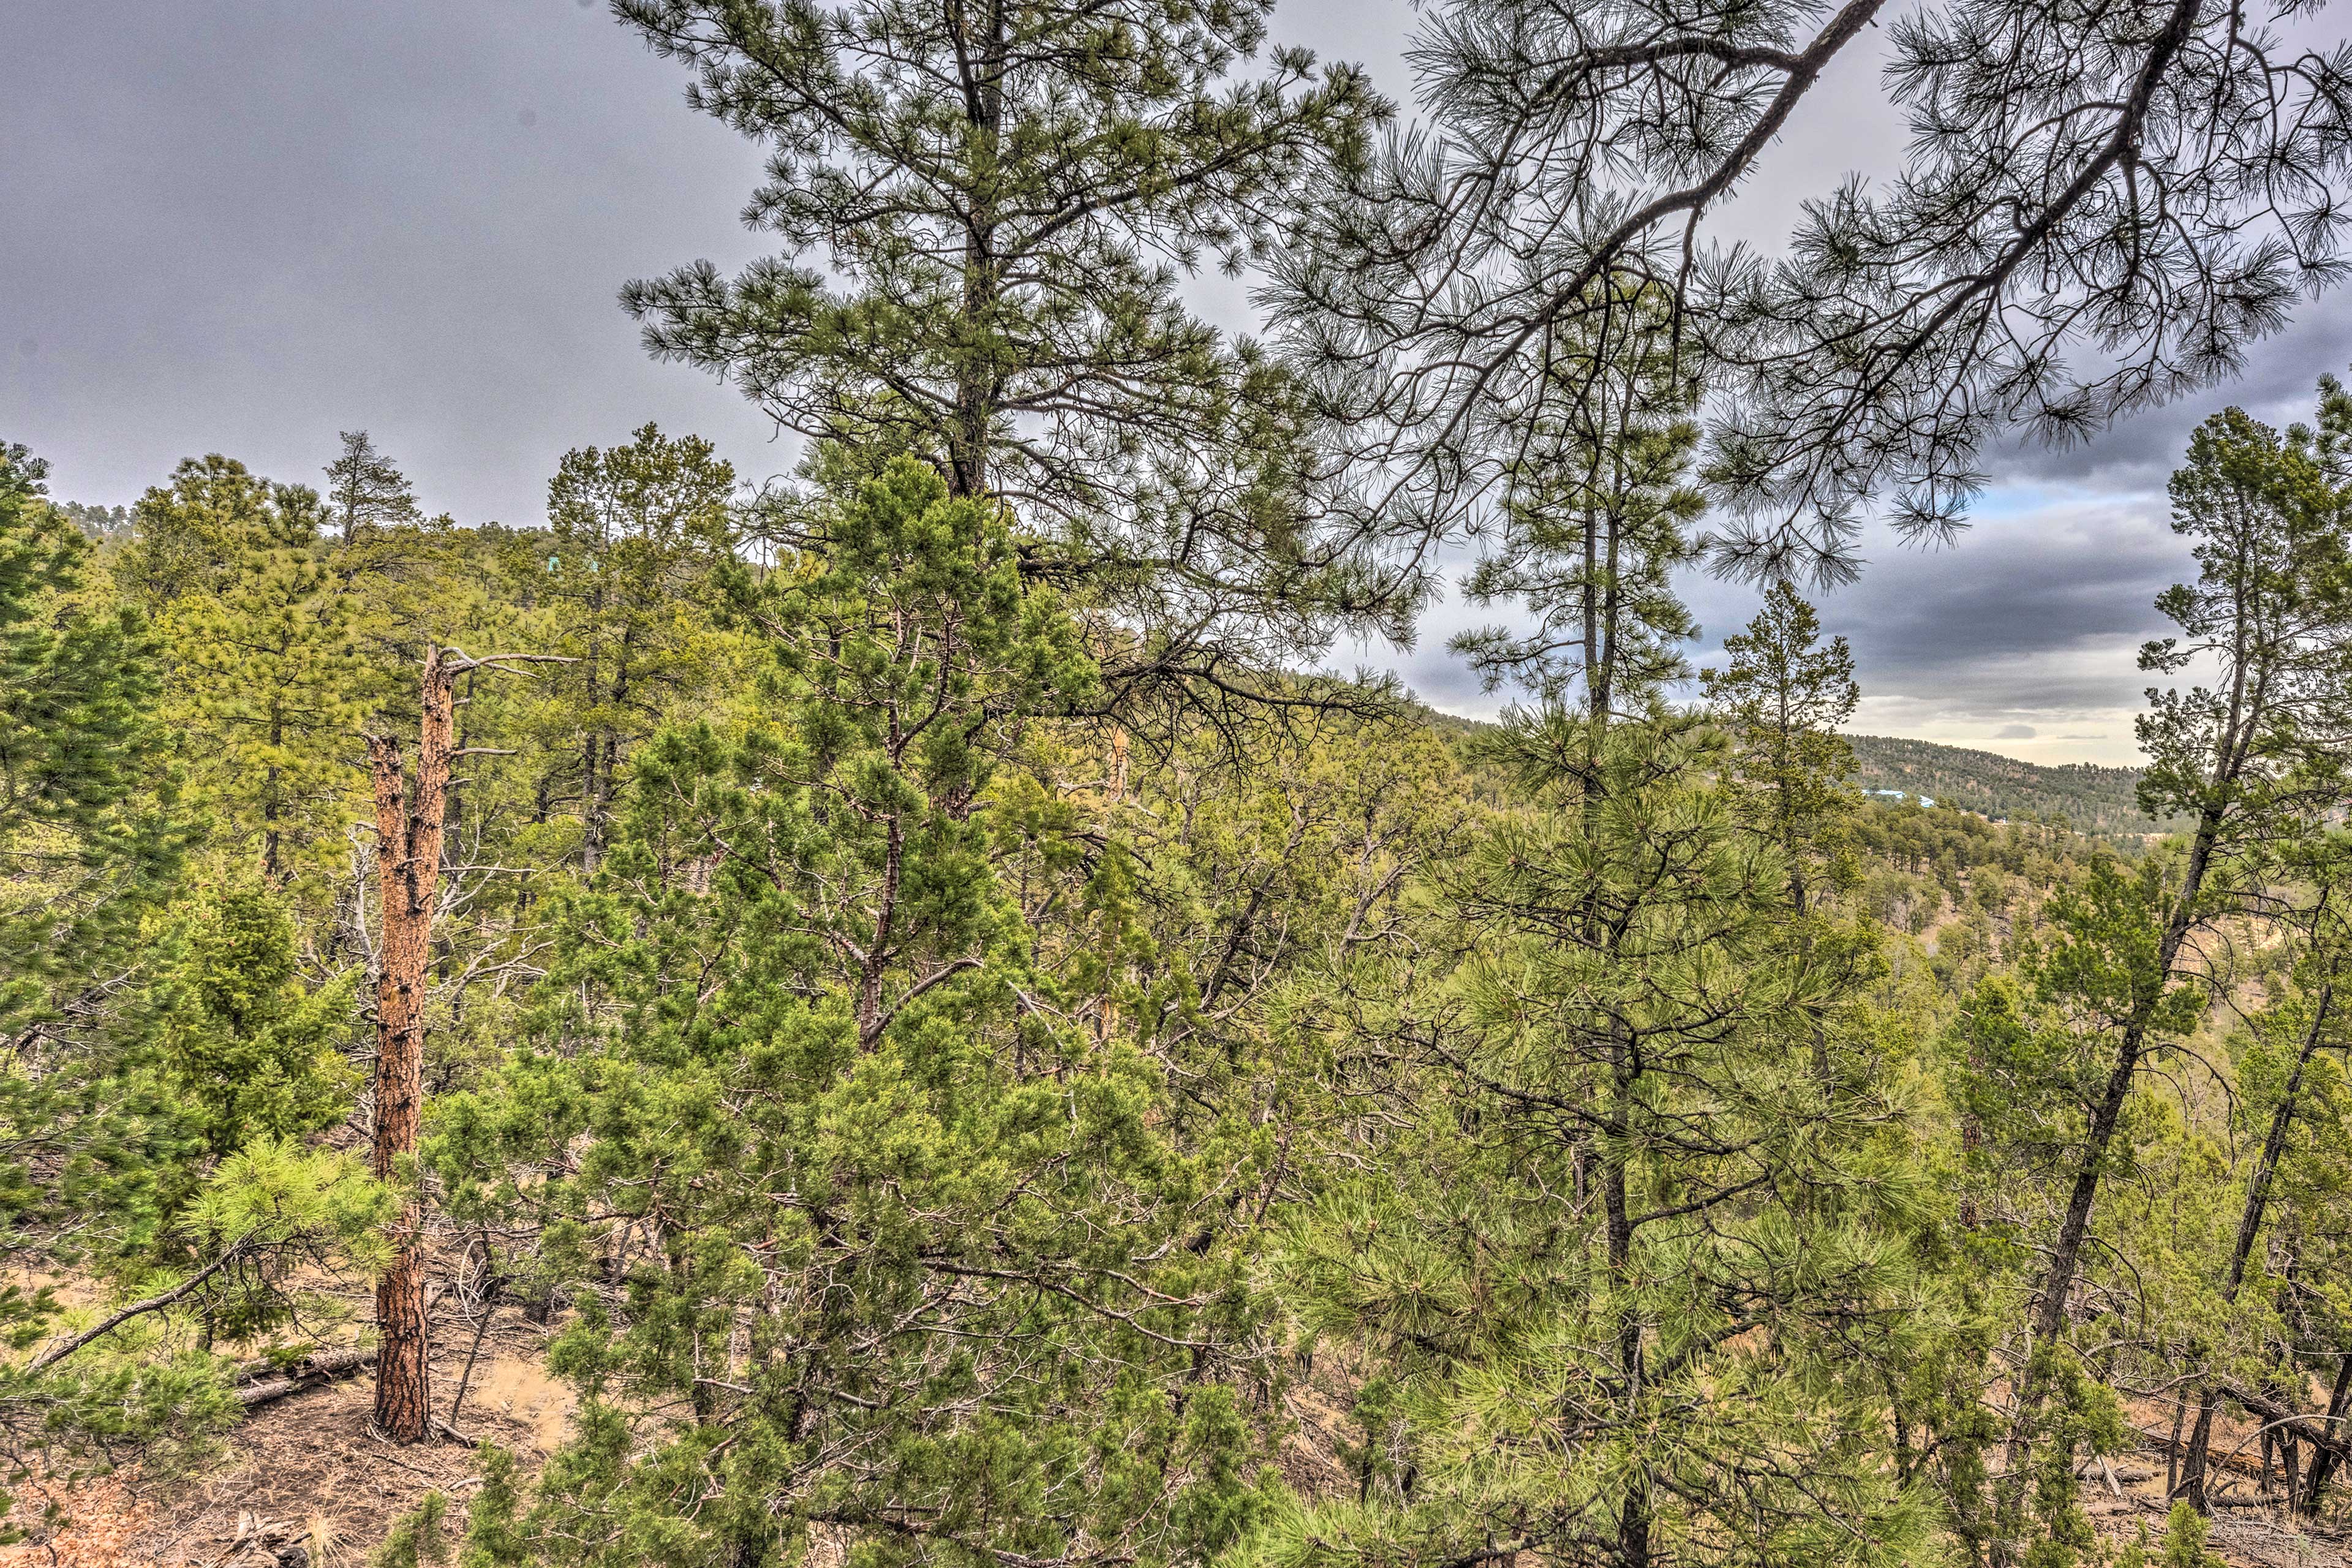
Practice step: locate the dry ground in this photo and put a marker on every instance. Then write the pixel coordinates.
(303, 1484)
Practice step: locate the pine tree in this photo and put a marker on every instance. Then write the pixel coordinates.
(81, 853)
(246, 1041)
(2270, 607)
(2280, 1260)
(2089, 213)
(271, 685)
(2257, 1316)
(1635, 1271)
(412, 818)
(1595, 516)
(632, 535)
(915, 1249)
(1628, 1253)
(366, 492)
(984, 214)
(1784, 700)
(98, 1152)
(195, 534)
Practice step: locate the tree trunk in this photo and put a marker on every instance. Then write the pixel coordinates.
(270, 838)
(2058, 1280)
(2190, 1487)
(409, 822)
(591, 834)
(2323, 1460)
(979, 381)
(2249, 1225)
(1633, 1544)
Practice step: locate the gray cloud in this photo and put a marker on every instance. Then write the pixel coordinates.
(243, 226)
(2277, 385)
(2032, 622)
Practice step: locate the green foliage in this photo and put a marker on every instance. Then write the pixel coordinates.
(1595, 520)
(264, 1216)
(950, 1045)
(96, 1148)
(270, 686)
(1784, 701)
(2272, 606)
(273, 1209)
(983, 224)
(909, 1247)
(273, 1192)
(494, 1537)
(100, 524)
(415, 1538)
(2185, 1532)
(194, 534)
(1634, 1263)
(253, 1050)
(633, 536)
(81, 853)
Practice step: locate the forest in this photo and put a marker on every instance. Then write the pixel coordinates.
(915, 1012)
(2089, 798)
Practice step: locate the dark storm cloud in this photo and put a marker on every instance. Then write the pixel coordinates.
(2032, 622)
(2277, 384)
(2055, 574)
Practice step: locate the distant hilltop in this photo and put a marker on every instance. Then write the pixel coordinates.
(2100, 801)
(2091, 798)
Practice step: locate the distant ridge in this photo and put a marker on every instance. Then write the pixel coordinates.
(2092, 798)
(2100, 801)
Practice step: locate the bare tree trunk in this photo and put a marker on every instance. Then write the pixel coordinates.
(2048, 1321)
(2197, 1457)
(1634, 1545)
(2249, 1225)
(2323, 1460)
(409, 823)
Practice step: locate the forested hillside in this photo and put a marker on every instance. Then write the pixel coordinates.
(879, 1020)
(2086, 796)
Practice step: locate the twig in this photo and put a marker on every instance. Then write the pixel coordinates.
(466, 1378)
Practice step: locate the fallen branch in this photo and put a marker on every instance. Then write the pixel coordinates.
(2285, 1418)
(2174, 1447)
(312, 1372)
(257, 1387)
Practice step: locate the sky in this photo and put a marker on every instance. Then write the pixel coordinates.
(244, 226)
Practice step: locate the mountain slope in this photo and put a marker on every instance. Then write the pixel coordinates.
(2093, 799)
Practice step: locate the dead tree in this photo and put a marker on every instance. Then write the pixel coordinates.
(410, 815)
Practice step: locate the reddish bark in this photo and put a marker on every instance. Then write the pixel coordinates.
(409, 821)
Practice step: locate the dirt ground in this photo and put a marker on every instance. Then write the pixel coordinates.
(303, 1484)
(2247, 1532)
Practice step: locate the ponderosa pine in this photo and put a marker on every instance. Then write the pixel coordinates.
(984, 214)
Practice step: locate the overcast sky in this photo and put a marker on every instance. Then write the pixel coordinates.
(243, 225)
